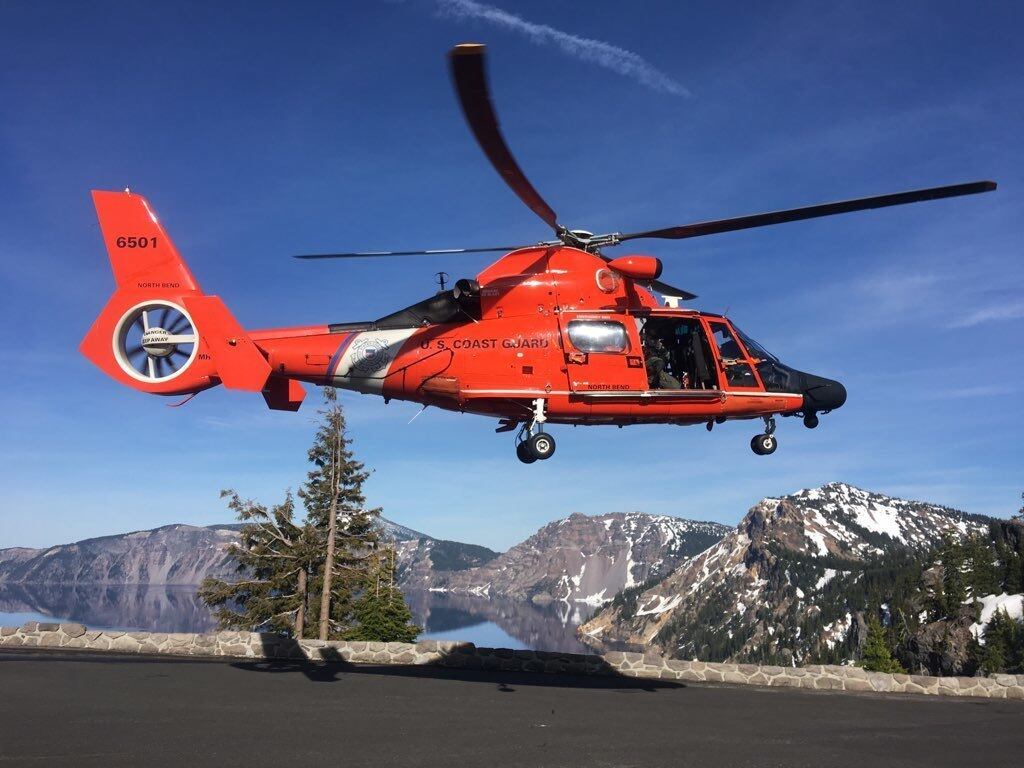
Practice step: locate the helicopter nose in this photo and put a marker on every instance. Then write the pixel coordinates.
(821, 394)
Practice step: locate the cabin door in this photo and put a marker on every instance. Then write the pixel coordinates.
(602, 354)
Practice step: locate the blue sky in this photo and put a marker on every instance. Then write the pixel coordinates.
(258, 130)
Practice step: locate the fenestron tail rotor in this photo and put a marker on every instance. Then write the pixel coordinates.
(155, 341)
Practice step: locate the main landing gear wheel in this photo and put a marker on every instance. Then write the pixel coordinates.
(532, 442)
(525, 454)
(541, 445)
(764, 445)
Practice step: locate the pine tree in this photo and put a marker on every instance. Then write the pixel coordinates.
(335, 506)
(954, 588)
(990, 657)
(381, 611)
(1013, 565)
(273, 557)
(876, 655)
(982, 575)
(313, 578)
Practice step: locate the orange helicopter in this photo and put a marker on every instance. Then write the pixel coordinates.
(551, 333)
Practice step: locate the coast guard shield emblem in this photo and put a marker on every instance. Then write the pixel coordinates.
(369, 357)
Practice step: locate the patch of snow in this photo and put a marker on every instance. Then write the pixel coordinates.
(880, 518)
(630, 581)
(662, 606)
(819, 540)
(1013, 605)
(595, 599)
(579, 577)
(830, 573)
(837, 630)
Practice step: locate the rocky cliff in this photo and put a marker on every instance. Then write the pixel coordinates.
(586, 558)
(186, 554)
(578, 559)
(787, 582)
(172, 554)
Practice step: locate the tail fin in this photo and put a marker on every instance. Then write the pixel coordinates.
(141, 254)
(159, 332)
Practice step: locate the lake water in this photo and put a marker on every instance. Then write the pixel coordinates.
(490, 622)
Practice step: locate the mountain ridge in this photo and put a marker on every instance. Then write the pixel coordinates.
(586, 558)
(763, 591)
(620, 550)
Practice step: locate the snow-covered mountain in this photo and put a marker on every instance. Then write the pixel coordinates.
(393, 531)
(777, 587)
(587, 558)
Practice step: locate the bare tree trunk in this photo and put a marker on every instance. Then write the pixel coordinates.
(391, 569)
(332, 527)
(300, 613)
(325, 596)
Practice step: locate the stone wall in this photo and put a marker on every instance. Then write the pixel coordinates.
(254, 645)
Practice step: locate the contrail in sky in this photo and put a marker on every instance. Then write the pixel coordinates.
(595, 51)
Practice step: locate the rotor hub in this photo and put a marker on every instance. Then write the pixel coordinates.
(156, 342)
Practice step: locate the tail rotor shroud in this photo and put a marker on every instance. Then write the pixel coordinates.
(155, 341)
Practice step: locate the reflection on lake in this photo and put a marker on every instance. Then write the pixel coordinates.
(550, 627)
(493, 622)
(147, 608)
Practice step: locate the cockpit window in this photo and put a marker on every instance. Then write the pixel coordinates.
(754, 348)
(598, 336)
(775, 376)
(738, 372)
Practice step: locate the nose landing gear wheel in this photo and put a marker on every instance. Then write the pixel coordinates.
(764, 445)
(542, 445)
(525, 454)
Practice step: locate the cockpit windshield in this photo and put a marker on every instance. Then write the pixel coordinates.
(754, 349)
(776, 376)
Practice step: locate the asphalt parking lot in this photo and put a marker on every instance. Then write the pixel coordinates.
(90, 710)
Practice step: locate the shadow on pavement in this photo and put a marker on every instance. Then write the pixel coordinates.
(331, 669)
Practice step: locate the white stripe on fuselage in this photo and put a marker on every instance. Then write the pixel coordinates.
(368, 359)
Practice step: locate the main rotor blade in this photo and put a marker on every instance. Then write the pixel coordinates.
(435, 252)
(467, 67)
(812, 212)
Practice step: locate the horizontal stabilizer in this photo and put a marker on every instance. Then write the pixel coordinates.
(239, 364)
(283, 394)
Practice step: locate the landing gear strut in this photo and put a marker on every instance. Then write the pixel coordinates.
(532, 442)
(765, 445)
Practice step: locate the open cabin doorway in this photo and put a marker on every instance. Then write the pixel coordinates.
(677, 355)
